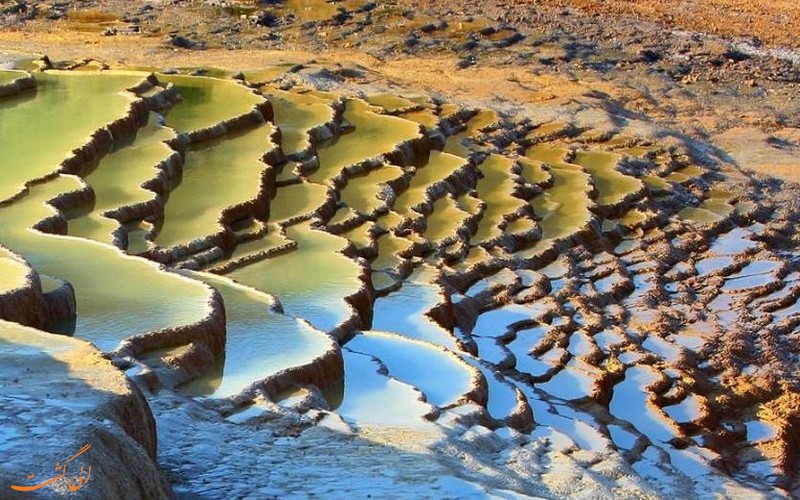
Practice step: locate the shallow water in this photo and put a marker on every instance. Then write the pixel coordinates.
(9, 75)
(315, 10)
(758, 273)
(686, 174)
(534, 172)
(712, 264)
(502, 396)
(66, 108)
(274, 238)
(612, 186)
(118, 177)
(206, 101)
(491, 350)
(496, 188)
(607, 284)
(425, 117)
(361, 236)
(758, 431)
(569, 384)
(296, 114)
(296, 200)
(259, 342)
(390, 102)
(375, 135)
(459, 143)
(389, 246)
(579, 344)
(564, 208)
(441, 376)
(496, 322)
(445, 220)
(312, 281)
(403, 311)
(152, 299)
(373, 398)
(712, 209)
(622, 437)
(687, 410)
(232, 167)
(439, 166)
(521, 347)
(13, 273)
(630, 402)
(548, 417)
(733, 242)
(361, 192)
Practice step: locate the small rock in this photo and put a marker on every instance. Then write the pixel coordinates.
(649, 55)
(182, 42)
(469, 44)
(734, 55)
(14, 8)
(55, 14)
(266, 19)
(428, 28)
(468, 61)
(342, 16)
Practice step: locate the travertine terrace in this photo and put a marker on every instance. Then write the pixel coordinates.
(553, 300)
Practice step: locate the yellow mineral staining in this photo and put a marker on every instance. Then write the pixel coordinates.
(377, 135)
(208, 101)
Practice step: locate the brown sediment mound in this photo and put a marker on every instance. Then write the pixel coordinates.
(106, 412)
(102, 140)
(204, 343)
(24, 303)
(322, 371)
(59, 302)
(259, 114)
(24, 82)
(205, 250)
(205, 337)
(522, 417)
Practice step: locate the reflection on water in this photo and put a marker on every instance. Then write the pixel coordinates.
(259, 341)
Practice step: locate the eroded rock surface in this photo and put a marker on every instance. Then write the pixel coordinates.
(59, 394)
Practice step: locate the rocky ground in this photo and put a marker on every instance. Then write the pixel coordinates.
(650, 350)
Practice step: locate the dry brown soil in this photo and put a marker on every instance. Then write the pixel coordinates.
(773, 22)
